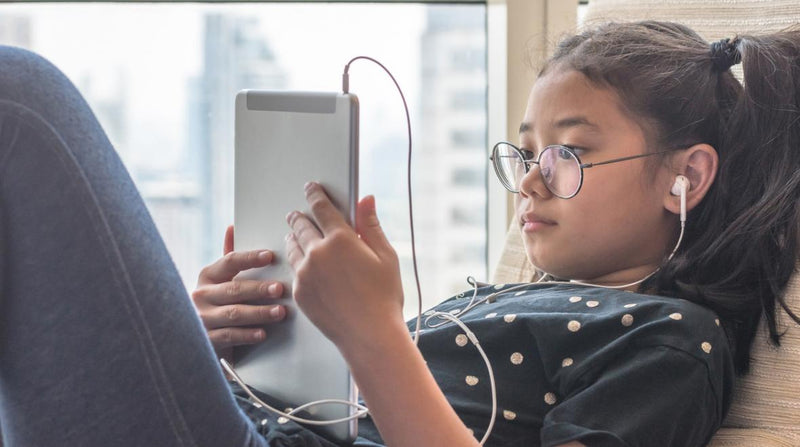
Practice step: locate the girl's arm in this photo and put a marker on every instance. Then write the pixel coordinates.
(406, 403)
(348, 283)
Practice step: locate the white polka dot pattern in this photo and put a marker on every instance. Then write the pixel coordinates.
(282, 420)
(608, 313)
(627, 320)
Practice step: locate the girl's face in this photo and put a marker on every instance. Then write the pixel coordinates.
(616, 230)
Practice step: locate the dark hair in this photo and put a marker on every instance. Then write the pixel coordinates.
(741, 243)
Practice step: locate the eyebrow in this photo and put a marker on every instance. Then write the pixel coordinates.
(572, 121)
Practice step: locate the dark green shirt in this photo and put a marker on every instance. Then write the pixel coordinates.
(601, 366)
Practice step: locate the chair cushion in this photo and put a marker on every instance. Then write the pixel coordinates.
(769, 396)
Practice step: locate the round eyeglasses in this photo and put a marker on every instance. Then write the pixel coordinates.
(559, 166)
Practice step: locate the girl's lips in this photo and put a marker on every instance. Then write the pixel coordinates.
(531, 223)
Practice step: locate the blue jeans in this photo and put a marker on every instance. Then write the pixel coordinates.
(99, 342)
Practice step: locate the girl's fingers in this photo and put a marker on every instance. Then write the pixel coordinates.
(238, 315)
(369, 228)
(228, 266)
(304, 232)
(294, 253)
(227, 247)
(325, 213)
(235, 292)
(232, 336)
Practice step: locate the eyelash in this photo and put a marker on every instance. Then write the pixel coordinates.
(529, 154)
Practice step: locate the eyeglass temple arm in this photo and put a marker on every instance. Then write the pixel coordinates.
(631, 157)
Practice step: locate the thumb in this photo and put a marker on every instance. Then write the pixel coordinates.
(368, 226)
(228, 245)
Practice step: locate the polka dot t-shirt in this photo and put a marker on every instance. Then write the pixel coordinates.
(600, 366)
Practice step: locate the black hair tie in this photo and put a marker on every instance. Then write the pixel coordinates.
(725, 53)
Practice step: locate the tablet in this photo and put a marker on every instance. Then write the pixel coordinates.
(284, 139)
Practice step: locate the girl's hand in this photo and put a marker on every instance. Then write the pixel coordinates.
(232, 311)
(347, 282)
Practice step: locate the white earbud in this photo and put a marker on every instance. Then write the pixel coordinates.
(679, 188)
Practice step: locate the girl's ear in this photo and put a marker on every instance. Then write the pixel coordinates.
(698, 164)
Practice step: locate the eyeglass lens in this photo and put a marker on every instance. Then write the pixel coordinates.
(559, 169)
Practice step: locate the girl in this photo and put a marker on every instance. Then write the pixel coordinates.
(647, 106)
(97, 341)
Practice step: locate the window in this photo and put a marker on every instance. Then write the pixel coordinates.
(472, 99)
(470, 59)
(162, 80)
(469, 139)
(468, 177)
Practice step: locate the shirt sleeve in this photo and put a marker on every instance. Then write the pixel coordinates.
(655, 396)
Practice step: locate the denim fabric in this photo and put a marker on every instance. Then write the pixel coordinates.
(99, 343)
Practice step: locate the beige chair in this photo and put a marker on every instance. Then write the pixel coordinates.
(766, 404)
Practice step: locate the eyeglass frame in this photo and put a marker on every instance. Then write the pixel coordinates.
(571, 150)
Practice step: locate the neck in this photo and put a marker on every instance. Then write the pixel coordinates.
(625, 279)
(630, 280)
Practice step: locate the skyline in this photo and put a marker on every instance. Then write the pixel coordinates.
(174, 40)
(179, 150)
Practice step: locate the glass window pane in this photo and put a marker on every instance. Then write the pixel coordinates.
(162, 79)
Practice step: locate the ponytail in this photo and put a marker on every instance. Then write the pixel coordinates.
(742, 271)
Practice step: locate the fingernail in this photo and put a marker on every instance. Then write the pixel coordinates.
(265, 255)
(258, 335)
(308, 186)
(288, 236)
(273, 288)
(276, 312)
(289, 217)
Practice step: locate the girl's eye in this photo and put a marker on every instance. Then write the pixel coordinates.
(575, 151)
(527, 155)
(564, 153)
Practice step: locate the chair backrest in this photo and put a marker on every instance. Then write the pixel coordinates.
(766, 404)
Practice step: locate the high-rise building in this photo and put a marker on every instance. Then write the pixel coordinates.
(451, 159)
(15, 31)
(236, 57)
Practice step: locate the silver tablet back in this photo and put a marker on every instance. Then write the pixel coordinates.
(283, 140)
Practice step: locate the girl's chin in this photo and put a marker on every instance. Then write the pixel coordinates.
(554, 269)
